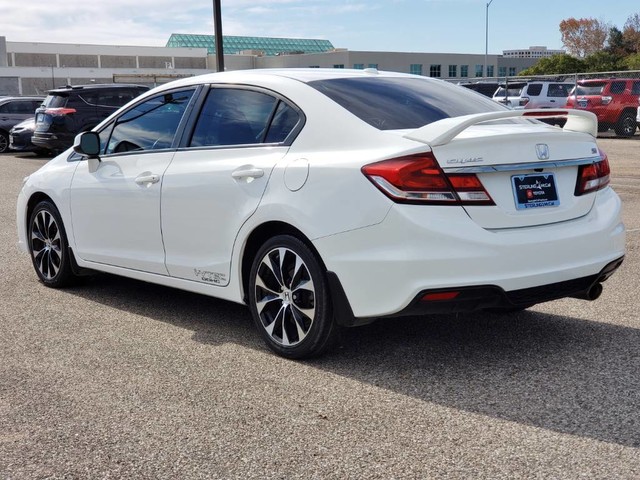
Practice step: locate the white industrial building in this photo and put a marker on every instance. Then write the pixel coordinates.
(34, 67)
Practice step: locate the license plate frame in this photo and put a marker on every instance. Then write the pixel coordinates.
(535, 190)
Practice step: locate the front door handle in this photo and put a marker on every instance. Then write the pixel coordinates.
(147, 179)
(247, 173)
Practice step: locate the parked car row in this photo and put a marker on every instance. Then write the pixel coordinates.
(49, 124)
(615, 101)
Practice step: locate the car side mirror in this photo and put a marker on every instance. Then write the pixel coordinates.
(87, 144)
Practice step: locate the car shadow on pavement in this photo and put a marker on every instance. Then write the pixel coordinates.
(554, 372)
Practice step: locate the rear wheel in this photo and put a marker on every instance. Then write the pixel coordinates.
(4, 142)
(626, 125)
(49, 247)
(289, 299)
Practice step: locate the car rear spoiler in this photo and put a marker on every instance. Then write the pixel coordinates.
(445, 130)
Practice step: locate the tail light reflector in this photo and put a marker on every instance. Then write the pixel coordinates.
(593, 177)
(440, 296)
(524, 101)
(60, 111)
(418, 179)
(606, 100)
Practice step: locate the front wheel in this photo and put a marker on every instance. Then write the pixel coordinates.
(289, 299)
(626, 125)
(49, 247)
(4, 142)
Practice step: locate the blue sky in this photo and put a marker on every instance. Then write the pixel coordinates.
(450, 26)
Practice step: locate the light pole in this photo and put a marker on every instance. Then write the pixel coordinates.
(486, 39)
(217, 20)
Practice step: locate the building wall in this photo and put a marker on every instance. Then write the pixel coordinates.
(41, 66)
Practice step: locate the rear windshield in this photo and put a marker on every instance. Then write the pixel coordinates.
(396, 103)
(591, 89)
(508, 92)
(55, 101)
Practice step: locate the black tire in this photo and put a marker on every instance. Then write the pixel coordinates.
(49, 247)
(4, 142)
(626, 125)
(289, 299)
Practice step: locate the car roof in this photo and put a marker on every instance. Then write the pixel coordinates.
(94, 86)
(300, 74)
(30, 97)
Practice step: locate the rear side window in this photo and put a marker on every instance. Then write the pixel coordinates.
(591, 89)
(393, 103)
(559, 89)
(617, 87)
(283, 123)
(233, 117)
(150, 125)
(55, 101)
(635, 89)
(534, 89)
(116, 97)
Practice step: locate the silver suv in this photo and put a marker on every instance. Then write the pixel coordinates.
(535, 94)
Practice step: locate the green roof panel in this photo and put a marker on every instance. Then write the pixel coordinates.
(235, 44)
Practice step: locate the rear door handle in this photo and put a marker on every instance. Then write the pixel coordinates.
(247, 173)
(147, 179)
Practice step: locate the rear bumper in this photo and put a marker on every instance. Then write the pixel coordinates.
(471, 299)
(52, 141)
(383, 269)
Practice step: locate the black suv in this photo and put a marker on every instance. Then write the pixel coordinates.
(73, 109)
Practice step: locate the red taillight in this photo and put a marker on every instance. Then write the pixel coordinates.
(593, 177)
(524, 101)
(606, 100)
(419, 179)
(60, 111)
(439, 296)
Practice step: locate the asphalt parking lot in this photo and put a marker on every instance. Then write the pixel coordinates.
(122, 379)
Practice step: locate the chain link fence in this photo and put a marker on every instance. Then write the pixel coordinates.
(614, 97)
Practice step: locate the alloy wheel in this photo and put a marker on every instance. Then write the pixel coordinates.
(285, 296)
(46, 244)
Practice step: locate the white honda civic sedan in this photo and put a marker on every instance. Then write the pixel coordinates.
(330, 198)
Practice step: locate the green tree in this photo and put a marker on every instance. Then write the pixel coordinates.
(632, 62)
(556, 64)
(604, 61)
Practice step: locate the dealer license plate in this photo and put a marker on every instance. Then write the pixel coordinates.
(535, 191)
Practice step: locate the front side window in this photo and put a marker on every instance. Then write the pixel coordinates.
(232, 116)
(150, 125)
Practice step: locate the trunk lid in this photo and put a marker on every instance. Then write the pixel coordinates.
(529, 169)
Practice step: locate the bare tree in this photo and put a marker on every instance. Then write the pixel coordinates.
(631, 33)
(584, 36)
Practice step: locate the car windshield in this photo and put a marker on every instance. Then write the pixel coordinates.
(591, 89)
(397, 103)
